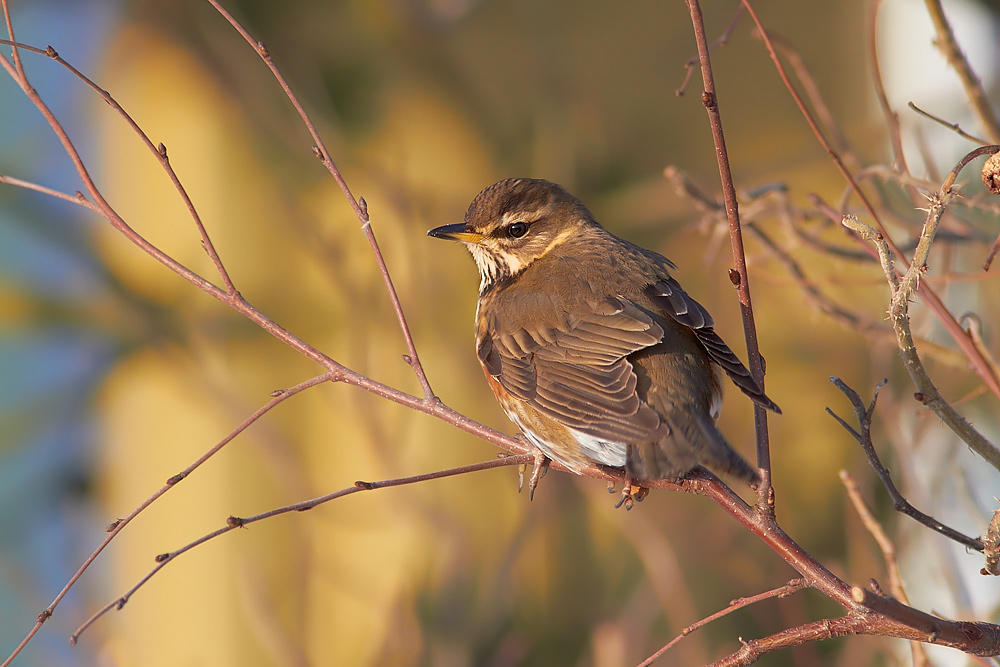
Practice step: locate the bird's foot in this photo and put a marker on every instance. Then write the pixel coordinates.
(631, 494)
(538, 470)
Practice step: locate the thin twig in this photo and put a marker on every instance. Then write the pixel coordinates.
(720, 42)
(899, 503)
(159, 151)
(954, 127)
(888, 113)
(765, 496)
(779, 592)
(118, 525)
(888, 549)
(78, 198)
(232, 523)
(812, 92)
(359, 205)
(15, 53)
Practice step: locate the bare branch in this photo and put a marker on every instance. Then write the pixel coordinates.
(162, 560)
(779, 592)
(755, 361)
(359, 205)
(118, 525)
(927, 392)
(888, 555)
(951, 126)
(928, 294)
(864, 417)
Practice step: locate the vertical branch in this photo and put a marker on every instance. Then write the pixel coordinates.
(741, 279)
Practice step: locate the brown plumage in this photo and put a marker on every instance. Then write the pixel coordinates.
(588, 342)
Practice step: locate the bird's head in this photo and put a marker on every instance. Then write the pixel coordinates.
(515, 222)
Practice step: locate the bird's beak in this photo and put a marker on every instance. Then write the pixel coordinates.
(456, 232)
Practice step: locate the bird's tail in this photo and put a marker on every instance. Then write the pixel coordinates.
(687, 440)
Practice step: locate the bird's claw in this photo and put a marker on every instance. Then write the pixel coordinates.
(541, 467)
(631, 494)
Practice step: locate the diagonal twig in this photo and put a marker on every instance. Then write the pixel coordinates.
(118, 525)
(779, 592)
(232, 523)
(359, 205)
(888, 549)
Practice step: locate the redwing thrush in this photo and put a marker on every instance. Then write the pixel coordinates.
(591, 347)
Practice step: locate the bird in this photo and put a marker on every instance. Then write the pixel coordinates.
(590, 345)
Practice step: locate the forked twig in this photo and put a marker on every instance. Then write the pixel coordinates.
(945, 41)
(359, 205)
(232, 523)
(720, 42)
(864, 416)
(118, 525)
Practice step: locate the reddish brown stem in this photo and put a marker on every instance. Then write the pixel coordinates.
(765, 494)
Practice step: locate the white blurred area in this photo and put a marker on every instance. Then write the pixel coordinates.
(914, 70)
(942, 476)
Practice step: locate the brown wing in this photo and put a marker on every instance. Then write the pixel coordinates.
(575, 370)
(669, 295)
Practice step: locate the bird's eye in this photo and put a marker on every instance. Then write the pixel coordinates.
(517, 230)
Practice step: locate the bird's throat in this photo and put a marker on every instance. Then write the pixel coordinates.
(493, 267)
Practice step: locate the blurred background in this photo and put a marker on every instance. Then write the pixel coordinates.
(115, 374)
